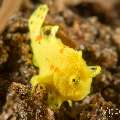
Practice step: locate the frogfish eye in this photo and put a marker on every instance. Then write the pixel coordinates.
(73, 80)
(76, 80)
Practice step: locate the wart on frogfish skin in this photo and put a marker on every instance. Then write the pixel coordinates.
(61, 50)
(39, 38)
(52, 67)
(66, 76)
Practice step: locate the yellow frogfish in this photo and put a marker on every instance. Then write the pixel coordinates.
(62, 70)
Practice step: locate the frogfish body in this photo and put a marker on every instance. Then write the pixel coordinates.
(62, 70)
